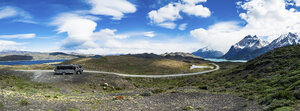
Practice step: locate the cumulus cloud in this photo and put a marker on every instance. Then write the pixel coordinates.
(266, 18)
(219, 36)
(196, 10)
(105, 34)
(182, 26)
(114, 8)
(165, 16)
(18, 36)
(166, 13)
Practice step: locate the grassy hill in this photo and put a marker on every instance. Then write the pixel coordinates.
(137, 65)
(272, 78)
(15, 58)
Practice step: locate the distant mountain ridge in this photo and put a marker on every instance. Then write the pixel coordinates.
(207, 52)
(243, 50)
(41, 55)
(251, 46)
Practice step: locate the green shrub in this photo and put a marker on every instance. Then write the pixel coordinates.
(1, 105)
(228, 84)
(250, 79)
(188, 108)
(156, 91)
(284, 109)
(24, 102)
(72, 109)
(277, 104)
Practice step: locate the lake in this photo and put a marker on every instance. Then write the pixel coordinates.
(223, 60)
(30, 62)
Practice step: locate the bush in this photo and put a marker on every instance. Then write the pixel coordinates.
(250, 79)
(156, 91)
(1, 105)
(24, 102)
(284, 109)
(277, 104)
(146, 94)
(188, 108)
(228, 84)
(72, 109)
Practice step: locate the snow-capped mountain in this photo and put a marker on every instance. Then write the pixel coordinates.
(244, 48)
(207, 52)
(251, 47)
(284, 40)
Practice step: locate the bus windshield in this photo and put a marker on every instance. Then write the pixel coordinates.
(65, 67)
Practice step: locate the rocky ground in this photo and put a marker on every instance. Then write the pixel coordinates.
(86, 92)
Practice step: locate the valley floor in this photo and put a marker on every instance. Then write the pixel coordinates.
(108, 93)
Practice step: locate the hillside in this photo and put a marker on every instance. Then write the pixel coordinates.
(15, 58)
(272, 78)
(139, 64)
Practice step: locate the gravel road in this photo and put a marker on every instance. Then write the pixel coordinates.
(38, 72)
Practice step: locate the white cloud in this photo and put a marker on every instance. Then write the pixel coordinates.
(108, 34)
(142, 46)
(18, 14)
(196, 10)
(79, 29)
(266, 18)
(6, 12)
(149, 34)
(114, 8)
(82, 35)
(9, 45)
(219, 36)
(18, 36)
(169, 12)
(165, 16)
(297, 3)
(193, 1)
(169, 25)
(182, 26)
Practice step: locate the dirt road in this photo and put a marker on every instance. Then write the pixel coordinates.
(39, 72)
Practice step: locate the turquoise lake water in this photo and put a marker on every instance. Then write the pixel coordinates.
(30, 62)
(223, 60)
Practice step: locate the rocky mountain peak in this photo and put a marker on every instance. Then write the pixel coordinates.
(251, 42)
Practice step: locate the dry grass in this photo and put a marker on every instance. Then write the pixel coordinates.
(135, 65)
(28, 67)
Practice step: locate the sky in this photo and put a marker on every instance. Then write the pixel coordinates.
(141, 26)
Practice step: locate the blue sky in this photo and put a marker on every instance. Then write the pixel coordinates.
(138, 26)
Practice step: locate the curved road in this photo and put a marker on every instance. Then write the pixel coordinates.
(142, 76)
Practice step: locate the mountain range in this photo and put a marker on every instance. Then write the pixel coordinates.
(24, 55)
(207, 52)
(251, 46)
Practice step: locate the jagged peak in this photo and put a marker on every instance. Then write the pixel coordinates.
(250, 42)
